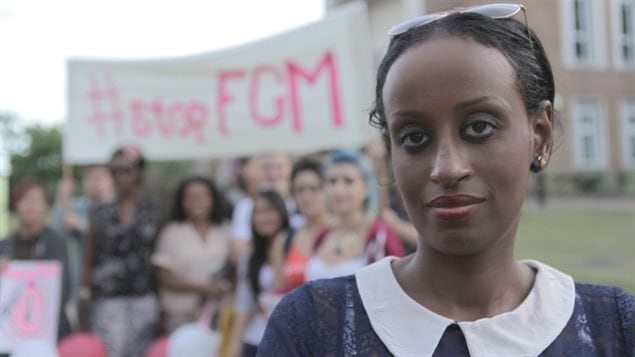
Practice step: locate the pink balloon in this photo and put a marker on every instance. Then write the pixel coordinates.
(80, 345)
(158, 348)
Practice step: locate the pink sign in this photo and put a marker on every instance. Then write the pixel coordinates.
(30, 294)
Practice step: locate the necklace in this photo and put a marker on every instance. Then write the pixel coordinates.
(344, 242)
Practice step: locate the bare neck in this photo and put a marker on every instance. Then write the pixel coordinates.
(31, 230)
(201, 225)
(466, 288)
(317, 221)
(352, 220)
(127, 197)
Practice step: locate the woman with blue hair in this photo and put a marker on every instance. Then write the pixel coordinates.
(357, 238)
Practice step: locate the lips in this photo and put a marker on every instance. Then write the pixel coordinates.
(454, 207)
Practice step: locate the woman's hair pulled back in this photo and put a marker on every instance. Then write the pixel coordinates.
(534, 78)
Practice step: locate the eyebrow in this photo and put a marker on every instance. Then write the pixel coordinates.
(457, 108)
(468, 103)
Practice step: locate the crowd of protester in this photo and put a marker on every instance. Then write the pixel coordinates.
(132, 275)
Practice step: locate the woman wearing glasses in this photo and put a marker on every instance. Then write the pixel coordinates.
(118, 278)
(465, 101)
(307, 188)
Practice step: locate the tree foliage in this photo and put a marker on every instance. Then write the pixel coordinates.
(35, 151)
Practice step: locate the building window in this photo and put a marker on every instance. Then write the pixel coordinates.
(628, 133)
(624, 28)
(583, 33)
(588, 143)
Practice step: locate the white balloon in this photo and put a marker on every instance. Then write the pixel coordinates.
(34, 348)
(193, 340)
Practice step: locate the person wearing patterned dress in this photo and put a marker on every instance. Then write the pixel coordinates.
(118, 301)
(464, 100)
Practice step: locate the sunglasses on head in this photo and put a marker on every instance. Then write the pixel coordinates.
(494, 11)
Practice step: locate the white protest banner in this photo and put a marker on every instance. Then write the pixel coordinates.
(30, 297)
(305, 90)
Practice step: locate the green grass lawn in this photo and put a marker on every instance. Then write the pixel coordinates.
(593, 246)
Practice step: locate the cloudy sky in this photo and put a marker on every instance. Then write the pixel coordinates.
(38, 36)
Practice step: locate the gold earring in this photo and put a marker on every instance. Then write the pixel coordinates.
(539, 163)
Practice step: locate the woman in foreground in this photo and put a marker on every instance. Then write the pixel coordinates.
(465, 101)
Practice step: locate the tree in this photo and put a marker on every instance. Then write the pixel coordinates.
(42, 157)
(12, 140)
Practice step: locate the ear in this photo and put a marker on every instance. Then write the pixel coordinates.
(542, 131)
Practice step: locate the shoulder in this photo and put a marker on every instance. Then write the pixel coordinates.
(378, 227)
(224, 227)
(328, 289)
(322, 293)
(174, 228)
(319, 300)
(172, 232)
(308, 320)
(606, 299)
(608, 311)
(220, 232)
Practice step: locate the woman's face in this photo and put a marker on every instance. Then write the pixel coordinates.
(461, 143)
(346, 189)
(126, 173)
(251, 172)
(308, 192)
(98, 183)
(197, 201)
(31, 208)
(276, 170)
(266, 219)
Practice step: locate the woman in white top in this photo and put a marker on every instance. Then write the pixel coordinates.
(357, 238)
(192, 250)
(249, 180)
(259, 273)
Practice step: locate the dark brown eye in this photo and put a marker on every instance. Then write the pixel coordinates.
(412, 140)
(478, 130)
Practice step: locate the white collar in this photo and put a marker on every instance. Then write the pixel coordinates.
(409, 329)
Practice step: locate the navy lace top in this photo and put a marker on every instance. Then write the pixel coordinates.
(349, 316)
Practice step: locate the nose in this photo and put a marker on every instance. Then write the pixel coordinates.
(450, 165)
(337, 187)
